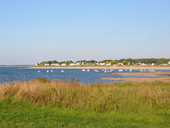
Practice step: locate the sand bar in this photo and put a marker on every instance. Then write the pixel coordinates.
(146, 73)
(164, 76)
(139, 79)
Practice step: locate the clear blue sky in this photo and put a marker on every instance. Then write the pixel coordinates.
(36, 30)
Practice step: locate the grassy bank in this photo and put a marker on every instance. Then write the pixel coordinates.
(42, 103)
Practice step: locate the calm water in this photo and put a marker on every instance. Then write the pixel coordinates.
(18, 74)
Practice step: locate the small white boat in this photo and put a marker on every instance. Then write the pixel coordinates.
(51, 70)
(151, 70)
(111, 70)
(38, 70)
(120, 70)
(47, 71)
(62, 70)
(83, 70)
(96, 70)
(88, 70)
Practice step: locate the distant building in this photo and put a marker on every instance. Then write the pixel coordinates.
(153, 64)
(35, 64)
(46, 64)
(101, 64)
(108, 64)
(54, 64)
(78, 63)
(63, 64)
(120, 64)
(142, 64)
(72, 64)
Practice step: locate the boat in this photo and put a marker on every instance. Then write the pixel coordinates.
(120, 70)
(51, 70)
(151, 70)
(38, 70)
(47, 71)
(96, 70)
(88, 70)
(83, 70)
(62, 70)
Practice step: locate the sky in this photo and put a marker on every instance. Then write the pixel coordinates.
(33, 31)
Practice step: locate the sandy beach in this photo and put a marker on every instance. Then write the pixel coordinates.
(139, 79)
(146, 73)
(102, 67)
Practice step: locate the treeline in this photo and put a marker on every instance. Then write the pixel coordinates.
(129, 61)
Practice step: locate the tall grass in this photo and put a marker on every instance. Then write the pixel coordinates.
(136, 97)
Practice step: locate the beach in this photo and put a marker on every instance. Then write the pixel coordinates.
(164, 76)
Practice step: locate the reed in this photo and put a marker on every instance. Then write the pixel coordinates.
(99, 97)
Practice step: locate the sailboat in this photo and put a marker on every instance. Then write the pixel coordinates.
(96, 70)
(105, 70)
(120, 70)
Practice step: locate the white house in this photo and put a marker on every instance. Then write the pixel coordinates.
(108, 64)
(35, 64)
(72, 64)
(63, 64)
(46, 64)
(153, 64)
(101, 64)
(54, 64)
(120, 64)
(169, 62)
(78, 63)
(142, 64)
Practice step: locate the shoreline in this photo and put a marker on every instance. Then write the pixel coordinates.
(102, 67)
(133, 79)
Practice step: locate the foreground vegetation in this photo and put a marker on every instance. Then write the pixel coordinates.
(42, 103)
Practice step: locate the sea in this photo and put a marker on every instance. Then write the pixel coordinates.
(86, 76)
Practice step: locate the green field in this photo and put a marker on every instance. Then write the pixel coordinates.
(42, 103)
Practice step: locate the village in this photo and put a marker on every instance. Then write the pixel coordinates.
(121, 62)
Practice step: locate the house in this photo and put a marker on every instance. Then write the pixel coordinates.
(35, 64)
(46, 64)
(153, 64)
(72, 64)
(120, 64)
(78, 63)
(108, 64)
(142, 64)
(169, 62)
(101, 64)
(63, 64)
(54, 64)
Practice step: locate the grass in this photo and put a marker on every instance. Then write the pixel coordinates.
(42, 103)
